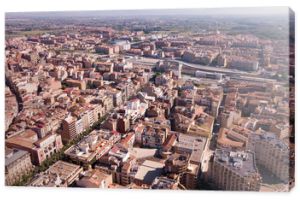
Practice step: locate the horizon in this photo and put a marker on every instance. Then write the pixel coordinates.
(241, 11)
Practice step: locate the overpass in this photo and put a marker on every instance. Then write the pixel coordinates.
(232, 73)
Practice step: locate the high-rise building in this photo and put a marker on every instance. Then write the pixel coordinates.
(271, 153)
(71, 127)
(235, 171)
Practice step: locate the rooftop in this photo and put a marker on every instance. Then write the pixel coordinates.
(92, 145)
(232, 138)
(92, 179)
(164, 183)
(241, 162)
(271, 139)
(195, 145)
(59, 174)
(12, 155)
(148, 171)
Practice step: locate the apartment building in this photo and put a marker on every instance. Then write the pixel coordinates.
(235, 170)
(17, 164)
(271, 153)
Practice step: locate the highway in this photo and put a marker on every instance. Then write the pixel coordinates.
(146, 60)
(232, 73)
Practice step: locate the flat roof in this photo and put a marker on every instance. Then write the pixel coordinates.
(148, 171)
(56, 175)
(191, 144)
(241, 162)
(11, 155)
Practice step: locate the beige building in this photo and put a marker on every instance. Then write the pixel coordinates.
(236, 138)
(71, 127)
(164, 183)
(95, 179)
(191, 178)
(17, 164)
(188, 172)
(195, 146)
(93, 146)
(147, 172)
(272, 153)
(60, 174)
(154, 136)
(235, 171)
(39, 148)
(76, 83)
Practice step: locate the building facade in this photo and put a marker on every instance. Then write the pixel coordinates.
(235, 171)
(17, 164)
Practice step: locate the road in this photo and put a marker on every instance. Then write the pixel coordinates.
(232, 73)
(146, 60)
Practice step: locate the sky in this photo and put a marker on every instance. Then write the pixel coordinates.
(256, 11)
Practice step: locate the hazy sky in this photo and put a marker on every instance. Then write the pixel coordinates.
(203, 11)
